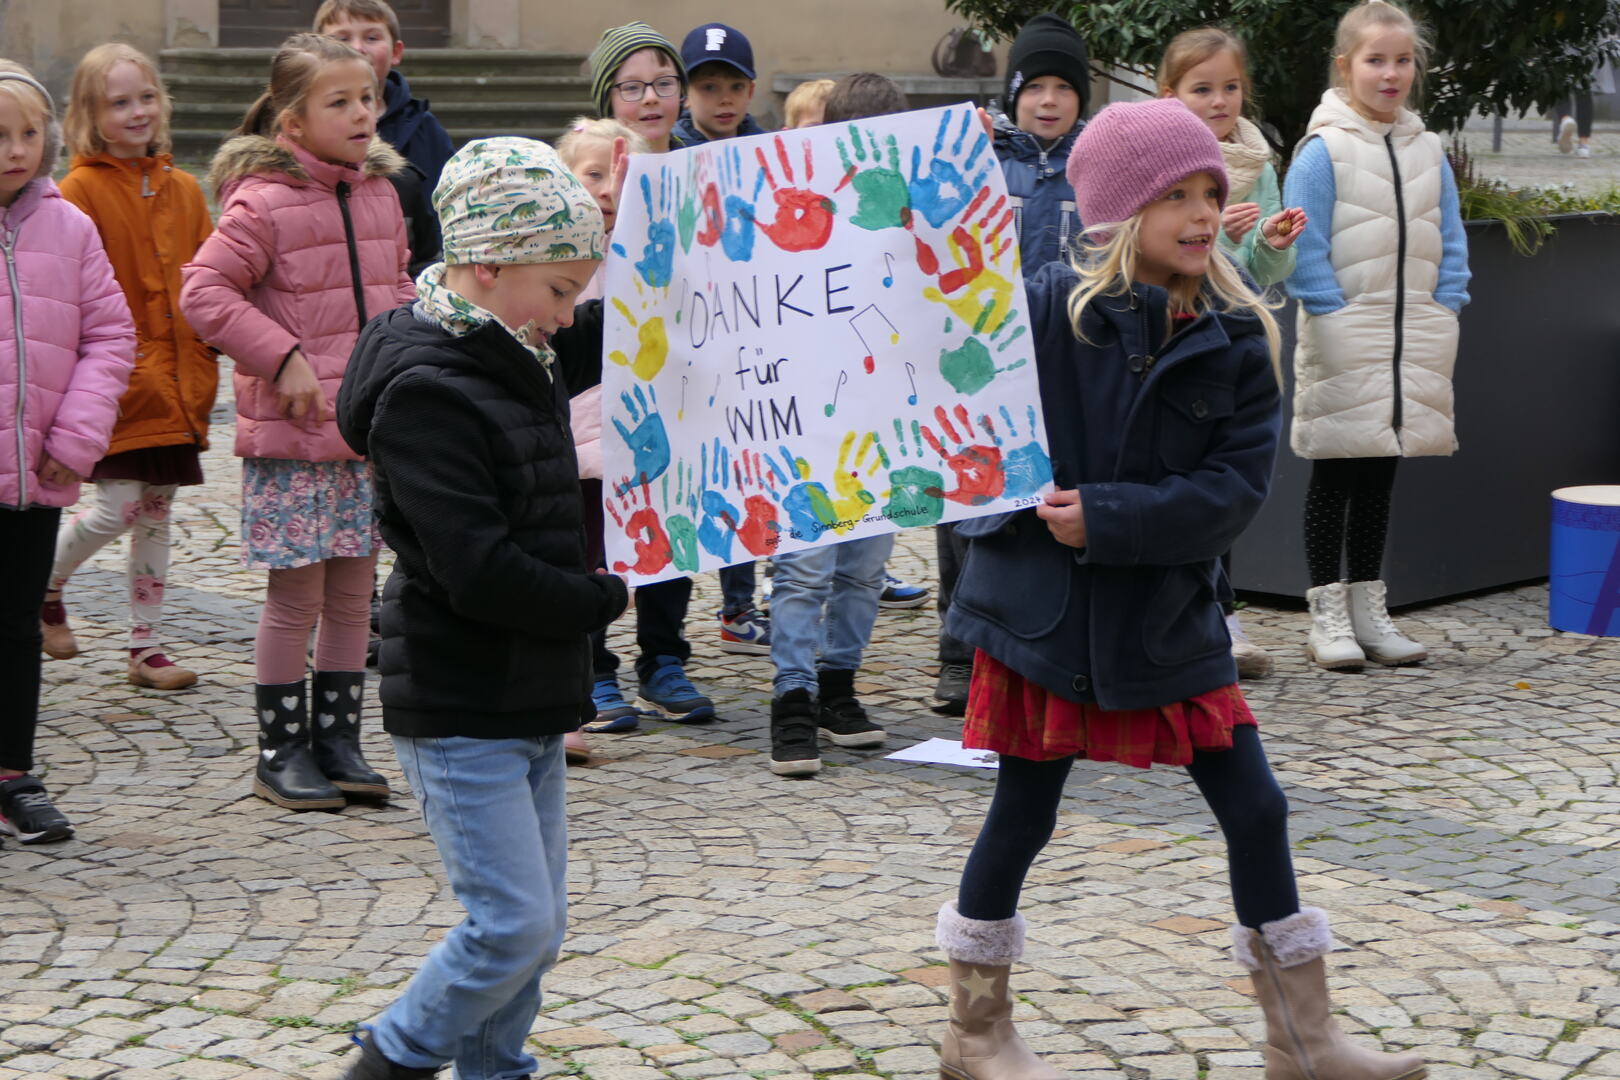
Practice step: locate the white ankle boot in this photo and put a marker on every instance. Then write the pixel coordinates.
(1332, 643)
(1375, 631)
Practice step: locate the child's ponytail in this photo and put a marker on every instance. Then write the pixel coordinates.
(292, 72)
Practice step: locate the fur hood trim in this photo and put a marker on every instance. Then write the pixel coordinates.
(260, 155)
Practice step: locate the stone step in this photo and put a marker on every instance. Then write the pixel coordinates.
(437, 89)
(420, 63)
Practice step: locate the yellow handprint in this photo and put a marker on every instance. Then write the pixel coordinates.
(652, 340)
(978, 295)
(853, 501)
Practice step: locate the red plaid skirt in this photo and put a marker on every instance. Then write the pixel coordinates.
(1011, 715)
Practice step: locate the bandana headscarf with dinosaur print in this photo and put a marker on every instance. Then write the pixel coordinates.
(512, 200)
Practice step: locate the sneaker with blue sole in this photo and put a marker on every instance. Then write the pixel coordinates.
(613, 712)
(671, 694)
(746, 633)
(899, 594)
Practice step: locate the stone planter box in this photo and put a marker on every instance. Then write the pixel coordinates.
(1538, 408)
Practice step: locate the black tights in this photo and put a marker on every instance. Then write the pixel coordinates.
(1347, 514)
(1237, 784)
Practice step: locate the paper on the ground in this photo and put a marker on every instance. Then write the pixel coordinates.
(947, 752)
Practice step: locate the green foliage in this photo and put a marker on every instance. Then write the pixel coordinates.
(1523, 212)
(1496, 55)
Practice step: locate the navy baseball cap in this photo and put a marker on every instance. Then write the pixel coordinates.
(718, 43)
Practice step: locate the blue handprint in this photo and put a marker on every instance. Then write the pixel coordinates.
(720, 515)
(738, 237)
(657, 265)
(942, 194)
(648, 442)
(809, 507)
(1028, 468)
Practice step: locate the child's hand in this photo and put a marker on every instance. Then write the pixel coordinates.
(298, 392)
(629, 590)
(989, 124)
(56, 474)
(1283, 228)
(618, 167)
(1064, 517)
(1238, 219)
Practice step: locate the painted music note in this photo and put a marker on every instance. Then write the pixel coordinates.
(843, 377)
(911, 375)
(888, 264)
(869, 361)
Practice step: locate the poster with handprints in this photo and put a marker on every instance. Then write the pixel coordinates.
(814, 336)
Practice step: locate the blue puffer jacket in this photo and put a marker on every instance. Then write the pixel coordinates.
(1041, 195)
(413, 130)
(687, 131)
(1171, 446)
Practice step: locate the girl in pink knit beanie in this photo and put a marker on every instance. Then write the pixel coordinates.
(1096, 615)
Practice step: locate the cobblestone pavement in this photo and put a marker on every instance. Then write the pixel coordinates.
(1460, 821)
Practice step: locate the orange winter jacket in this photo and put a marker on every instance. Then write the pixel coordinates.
(152, 218)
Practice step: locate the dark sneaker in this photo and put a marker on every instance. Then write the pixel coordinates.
(793, 735)
(613, 712)
(951, 692)
(26, 812)
(747, 633)
(371, 1065)
(898, 594)
(841, 717)
(670, 693)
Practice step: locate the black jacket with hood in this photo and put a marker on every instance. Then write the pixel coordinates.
(486, 615)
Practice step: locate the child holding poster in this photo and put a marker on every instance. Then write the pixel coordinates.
(1097, 615)
(827, 596)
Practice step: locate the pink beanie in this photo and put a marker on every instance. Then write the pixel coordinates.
(1131, 153)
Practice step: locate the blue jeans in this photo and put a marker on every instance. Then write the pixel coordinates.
(737, 588)
(843, 581)
(495, 809)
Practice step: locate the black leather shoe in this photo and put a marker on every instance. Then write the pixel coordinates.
(371, 1065)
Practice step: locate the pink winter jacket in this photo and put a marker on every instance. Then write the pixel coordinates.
(67, 345)
(304, 254)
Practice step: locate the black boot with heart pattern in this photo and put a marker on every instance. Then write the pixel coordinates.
(287, 774)
(336, 712)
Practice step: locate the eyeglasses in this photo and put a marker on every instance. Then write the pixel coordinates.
(633, 90)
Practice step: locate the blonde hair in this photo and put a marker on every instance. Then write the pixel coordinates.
(88, 95)
(293, 71)
(35, 102)
(1190, 48)
(804, 98)
(360, 10)
(1381, 15)
(581, 128)
(1108, 266)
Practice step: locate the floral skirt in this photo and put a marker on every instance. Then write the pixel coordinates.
(1011, 715)
(295, 513)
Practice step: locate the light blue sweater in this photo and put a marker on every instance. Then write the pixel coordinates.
(1310, 186)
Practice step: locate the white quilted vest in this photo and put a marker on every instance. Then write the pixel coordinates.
(1373, 379)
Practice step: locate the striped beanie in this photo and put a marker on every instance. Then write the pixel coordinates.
(616, 46)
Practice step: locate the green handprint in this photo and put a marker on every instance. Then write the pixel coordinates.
(885, 199)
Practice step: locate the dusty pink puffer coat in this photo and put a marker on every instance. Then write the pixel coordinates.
(67, 345)
(280, 270)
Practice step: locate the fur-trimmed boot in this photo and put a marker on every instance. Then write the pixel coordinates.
(286, 774)
(980, 1041)
(336, 735)
(1303, 1042)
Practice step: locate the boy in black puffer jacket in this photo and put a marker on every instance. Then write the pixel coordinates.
(462, 407)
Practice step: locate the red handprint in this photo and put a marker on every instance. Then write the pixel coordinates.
(760, 531)
(653, 550)
(804, 218)
(980, 476)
